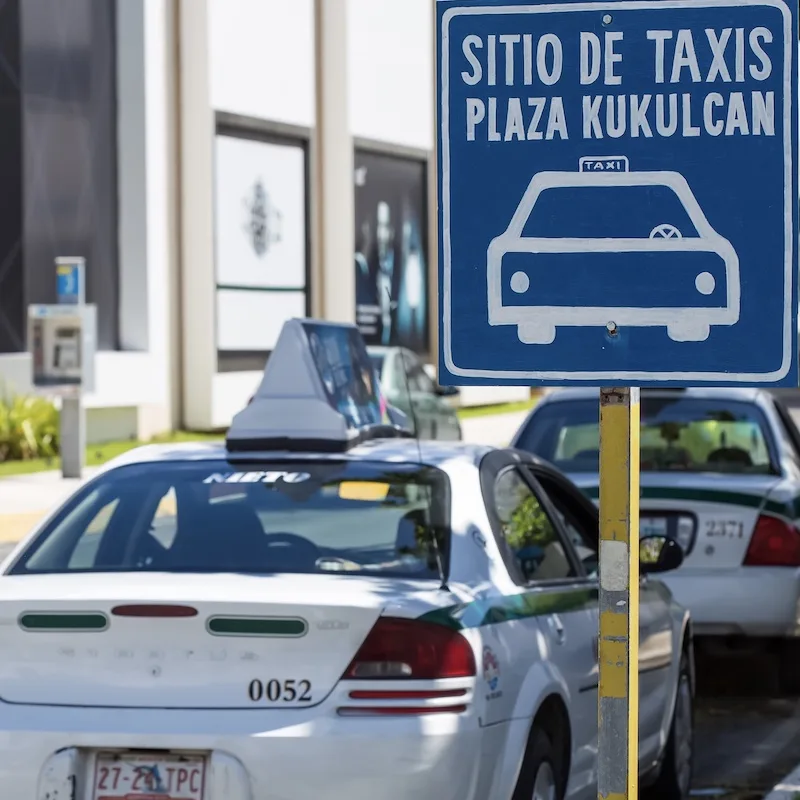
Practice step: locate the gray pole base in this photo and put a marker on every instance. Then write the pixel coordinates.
(73, 437)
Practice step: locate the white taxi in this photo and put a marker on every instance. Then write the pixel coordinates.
(340, 613)
(720, 473)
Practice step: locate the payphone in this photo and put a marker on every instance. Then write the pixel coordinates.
(62, 342)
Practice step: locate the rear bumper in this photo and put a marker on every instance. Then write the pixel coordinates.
(45, 750)
(745, 601)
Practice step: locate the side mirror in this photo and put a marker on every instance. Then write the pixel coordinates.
(659, 554)
(448, 391)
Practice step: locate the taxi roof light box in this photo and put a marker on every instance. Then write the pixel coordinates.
(319, 392)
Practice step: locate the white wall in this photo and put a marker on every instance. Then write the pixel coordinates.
(230, 392)
(197, 214)
(161, 209)
(262, 59)
(391, 67)
(146, 375)
(249, 57)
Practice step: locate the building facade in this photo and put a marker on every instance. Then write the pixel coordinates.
(223, 165)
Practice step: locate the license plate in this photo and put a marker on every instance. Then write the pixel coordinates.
(128, 776)
(652, 526)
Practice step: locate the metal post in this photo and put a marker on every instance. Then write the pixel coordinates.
(71, 291)
(73, 436)
(618, 697)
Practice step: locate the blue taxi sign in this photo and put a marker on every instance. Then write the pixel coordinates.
(618, 192)
(319, 392)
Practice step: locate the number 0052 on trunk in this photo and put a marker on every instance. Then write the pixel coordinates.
(124, 776)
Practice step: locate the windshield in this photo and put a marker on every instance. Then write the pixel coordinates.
(602, 212)
(682, 434)
(366, 518)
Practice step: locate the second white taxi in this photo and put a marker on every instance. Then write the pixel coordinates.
(720, 475)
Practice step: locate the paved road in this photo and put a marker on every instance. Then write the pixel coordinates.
(745, 746)
(496, 430)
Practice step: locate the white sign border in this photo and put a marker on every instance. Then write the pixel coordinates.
(634, 377)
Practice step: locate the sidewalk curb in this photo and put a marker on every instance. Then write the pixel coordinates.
(788, 788)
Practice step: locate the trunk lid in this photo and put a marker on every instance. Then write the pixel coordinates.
(254, 642)
(723, 511)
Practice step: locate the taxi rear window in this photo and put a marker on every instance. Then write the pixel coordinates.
(348, 518)
(683, 434)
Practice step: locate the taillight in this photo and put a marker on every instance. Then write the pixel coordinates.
(775, 543)
(409, 649)
(154, 610)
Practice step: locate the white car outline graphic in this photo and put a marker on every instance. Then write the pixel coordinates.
(537, 324)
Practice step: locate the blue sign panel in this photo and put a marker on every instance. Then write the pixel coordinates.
(618, 192)
(70, 281)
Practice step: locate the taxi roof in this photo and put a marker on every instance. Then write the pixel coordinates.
(319, 393)
(429, 453)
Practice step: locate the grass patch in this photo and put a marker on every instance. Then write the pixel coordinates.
(99, 454)
(495, 410)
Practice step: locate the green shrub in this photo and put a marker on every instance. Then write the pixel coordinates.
(28, 428)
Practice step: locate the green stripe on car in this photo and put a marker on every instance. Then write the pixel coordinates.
(495, 610)
(708, 496)
(272, 627)
(72, 622)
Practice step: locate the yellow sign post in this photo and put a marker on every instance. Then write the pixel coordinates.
(618, 696)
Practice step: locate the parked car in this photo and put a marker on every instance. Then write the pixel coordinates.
(304, 612)
(434, 602)
(407, 386)
(720, 473)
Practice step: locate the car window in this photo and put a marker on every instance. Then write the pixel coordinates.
(789, 428)
(164, 526)
(84, 553)
(581, 527)
(367, 518)
(531, 542)
(684, 434)
(418, 379)
(602, 212)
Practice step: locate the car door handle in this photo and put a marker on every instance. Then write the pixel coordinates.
(558, 628)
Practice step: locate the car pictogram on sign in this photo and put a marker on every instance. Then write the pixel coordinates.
(642, 233)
